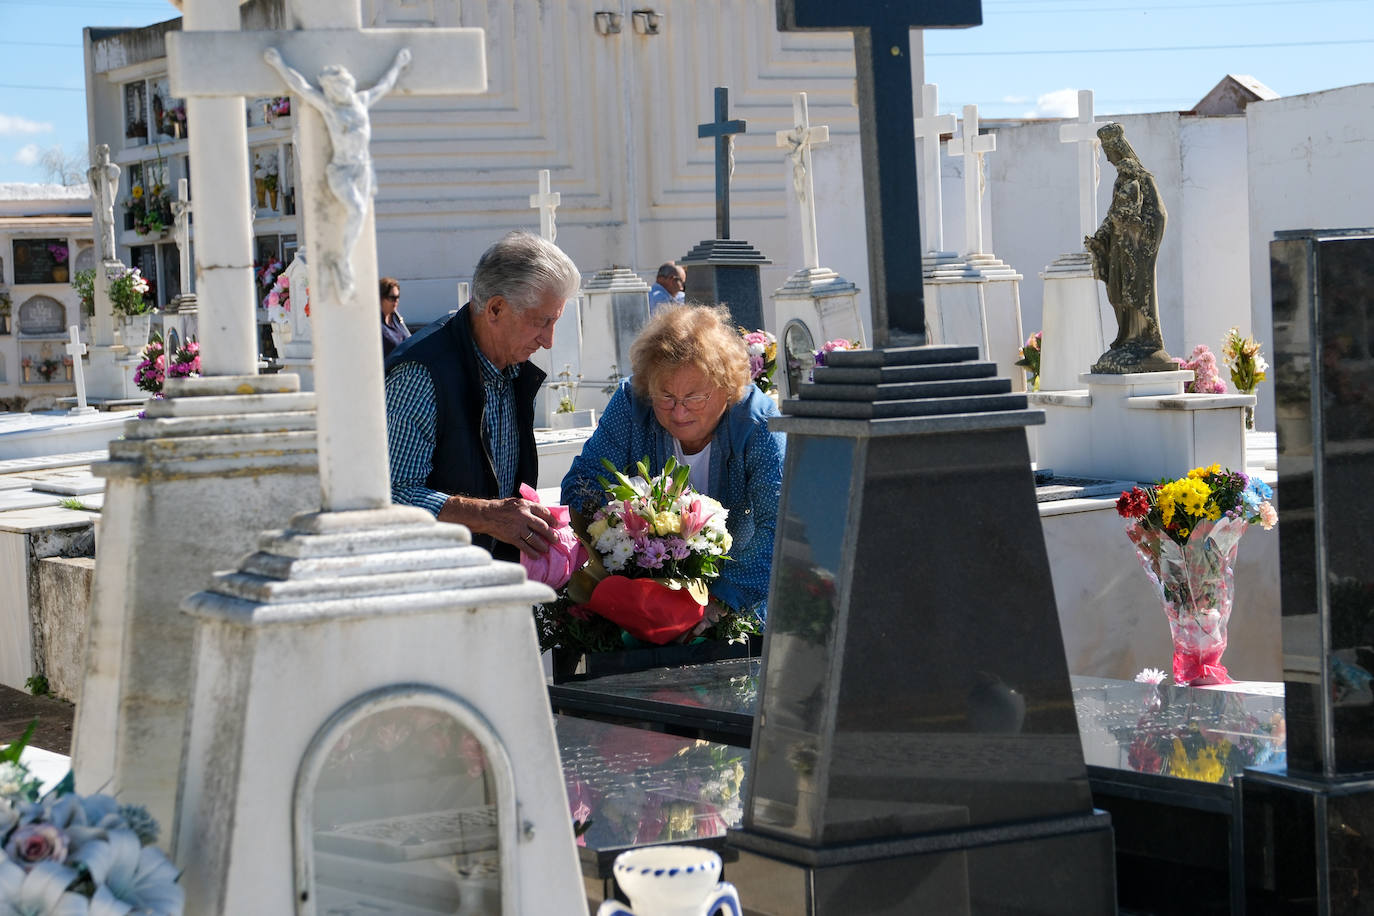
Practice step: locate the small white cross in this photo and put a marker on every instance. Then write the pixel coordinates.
(546, 202)
(1083, 131)
(181, 231)
(972, 147)
(930, 126)
(76, 349)
(799, 141)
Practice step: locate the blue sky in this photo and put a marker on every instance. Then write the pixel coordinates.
(1028, 58)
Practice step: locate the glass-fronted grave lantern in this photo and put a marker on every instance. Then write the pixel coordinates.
(799, 347)
(404, 804)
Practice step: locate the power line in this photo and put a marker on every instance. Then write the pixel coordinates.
(1276, 44)
(44, 88)
(38, 44)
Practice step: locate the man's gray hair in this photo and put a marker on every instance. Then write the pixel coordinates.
(522, 269)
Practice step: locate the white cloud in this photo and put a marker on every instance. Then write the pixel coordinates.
(13, 124)
(1061, 103)
(28, 154)
(1015, 99)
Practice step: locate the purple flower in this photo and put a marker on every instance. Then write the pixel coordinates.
(652, 554)
(34, 843)
(677, 548)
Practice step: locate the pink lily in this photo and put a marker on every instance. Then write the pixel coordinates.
(694, 518)
(635, 525)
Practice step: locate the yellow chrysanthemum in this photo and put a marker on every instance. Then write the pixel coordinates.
(666, 523)
(136, 192)
(1204, 472)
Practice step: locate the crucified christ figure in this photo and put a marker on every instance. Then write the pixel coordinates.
(349, 173)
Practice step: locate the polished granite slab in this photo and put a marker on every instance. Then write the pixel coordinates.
(1206, 735)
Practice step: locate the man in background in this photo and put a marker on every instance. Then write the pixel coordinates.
(670, 286)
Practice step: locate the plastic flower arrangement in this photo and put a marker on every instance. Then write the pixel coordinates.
(1242, 356)
(150, 208)
(69, 855)
(153, 369)
(127, 292)
(1186, 534)
(763, 358)
(58, 252)
(830, 346)
(266, 272)
(1030, 358)
(278, 301)
(1203, 364)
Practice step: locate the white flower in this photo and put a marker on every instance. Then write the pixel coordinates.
(40, 892)
(620, 555)
(138, 875)
(1150, 676)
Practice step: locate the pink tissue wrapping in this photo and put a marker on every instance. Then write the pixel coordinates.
(563, 558)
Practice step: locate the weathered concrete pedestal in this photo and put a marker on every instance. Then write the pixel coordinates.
(185, 488)
(916, 748)
(344, 636)
(813, 306)
(1077, 318)
(976, 301)
(1139, 426)
(726, 272)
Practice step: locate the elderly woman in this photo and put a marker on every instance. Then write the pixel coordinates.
(692, 397)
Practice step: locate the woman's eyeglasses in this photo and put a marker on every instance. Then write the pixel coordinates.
(693, 403)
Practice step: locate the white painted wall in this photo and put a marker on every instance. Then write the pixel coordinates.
(1310, 159)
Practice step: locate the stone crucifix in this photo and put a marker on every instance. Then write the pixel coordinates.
(883, 67)
(335, 188)
(181, 232)
(798, 142)
(972, 147)
(104, 179)
(76, 349)
(930, 126)
(723, 130)
(546, 202)
(1083, 131)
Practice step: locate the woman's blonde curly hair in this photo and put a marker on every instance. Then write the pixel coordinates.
(691, 335)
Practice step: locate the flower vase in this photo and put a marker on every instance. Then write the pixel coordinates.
(671, 881)
(59, 273)
(1196, 583)
(134, 330)
(260, 188)
(272, 197)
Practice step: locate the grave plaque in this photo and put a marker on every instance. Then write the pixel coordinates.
(1309, 828)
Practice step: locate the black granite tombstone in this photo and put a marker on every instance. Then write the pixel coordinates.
(916, 748)
(1309, 828)
(725, 270)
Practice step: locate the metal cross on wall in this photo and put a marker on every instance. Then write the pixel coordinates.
(723, 130)
(882, 57)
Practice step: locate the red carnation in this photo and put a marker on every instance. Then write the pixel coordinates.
(1133, 504)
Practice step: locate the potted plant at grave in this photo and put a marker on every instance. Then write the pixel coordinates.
(566, 415)
(59, 253)
(84, 284)
(129, 302)
(1030, 359)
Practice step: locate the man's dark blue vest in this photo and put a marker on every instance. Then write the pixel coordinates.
(461, 466)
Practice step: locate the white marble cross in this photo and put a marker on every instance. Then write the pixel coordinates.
(930, 126)
(181, 231)
(972, 147)
(546, 202)
(340, 69)
(76, 349)
(798, 141)
(1083, 131)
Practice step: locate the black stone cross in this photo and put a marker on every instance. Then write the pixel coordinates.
(722, 130)
(882, 57)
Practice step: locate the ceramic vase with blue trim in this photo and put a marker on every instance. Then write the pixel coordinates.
(671, 881)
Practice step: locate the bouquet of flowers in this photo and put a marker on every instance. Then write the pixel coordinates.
(1242, 356)
(1203, 364)
(278, 301)
(830, 346)
(69, 855)
(655, 547)
(1186, 534)
(127, 292)
(153, 368)
(1030, 358)
(59, 253)
(763, 358)
(266, 272)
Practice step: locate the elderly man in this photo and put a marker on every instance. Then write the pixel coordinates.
(460, 399)
(669, 286)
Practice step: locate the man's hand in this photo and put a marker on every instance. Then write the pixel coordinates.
(526, 525)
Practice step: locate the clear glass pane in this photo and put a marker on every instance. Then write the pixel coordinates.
(799, 347)
(405, 819)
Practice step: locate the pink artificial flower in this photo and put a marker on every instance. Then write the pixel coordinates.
(1268, 515)
(34, 843)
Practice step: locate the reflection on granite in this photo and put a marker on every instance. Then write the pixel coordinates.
(1184, 732)
(1206, 734)
(633, 787)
